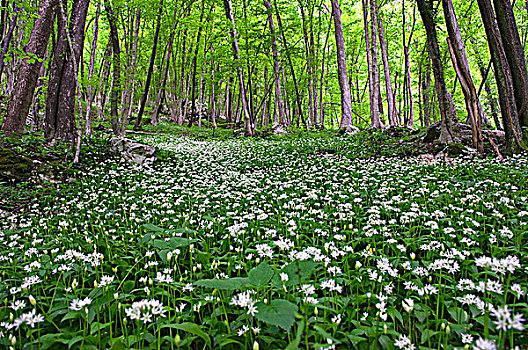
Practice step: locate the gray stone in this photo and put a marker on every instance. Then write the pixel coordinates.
(132, 152)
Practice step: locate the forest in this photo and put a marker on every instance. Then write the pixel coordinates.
(246, 174)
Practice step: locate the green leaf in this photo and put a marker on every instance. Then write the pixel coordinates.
(96, 327)
(152, 228)
(294, 344)
(260, 276)
(224, 284)
(128, 286)
(458, 314)
(279, 313)
(192, 328)
(297, 272)
(426, 334)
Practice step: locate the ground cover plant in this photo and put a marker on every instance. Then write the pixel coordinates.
(280, 243)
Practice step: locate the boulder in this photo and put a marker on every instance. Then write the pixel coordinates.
(132, 152)
(348, 130)
(13, 166)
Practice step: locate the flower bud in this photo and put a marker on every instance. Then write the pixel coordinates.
(256, 345)
(177, 340)
(358, 264)
(32, 300)
(413, 256)
(385, 329)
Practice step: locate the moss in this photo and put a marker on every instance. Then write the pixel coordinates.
(13, 166)
(454, 149)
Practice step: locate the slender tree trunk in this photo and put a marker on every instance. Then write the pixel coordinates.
(89, 90)
(103, 82)
(375, 101)
(276, 67)
(307, 51)
(346, 98)
(118, 126)
(492, 102)
(128, 95)
(292, 71)
(9, 36)
(458, 55)
(391, 104)
(250, 128)
(447, 108)
(194, 67)
(20, 102)
(151, 68)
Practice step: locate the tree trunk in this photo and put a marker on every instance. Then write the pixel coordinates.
(130, 83)
(503, 77)
(89, 90)
(292, 71)
(445, 100)
(346, 98)
(250, 128)
(9, 36)
(150, 69)
(118, 126)
(20, 102)
(60, 102)
(391, 103)
(375, 95)
(515, 56)
(458, 56)
(276, 67)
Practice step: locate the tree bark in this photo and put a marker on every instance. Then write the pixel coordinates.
(391, 103)
(276, 67)
(445, 100)
(515, 56)
(375, 94)
(118, 125)
(20, 102)
(60, 101)
(458, 55)
(150, 70)
(9, 36)
(503, 77)
(89, 90)
(346, 99)
(250, 128)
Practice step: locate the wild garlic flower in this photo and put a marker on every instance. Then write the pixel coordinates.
(506, 321)
(145, 310)
(78, 304)
(245, 300)
(29, 318)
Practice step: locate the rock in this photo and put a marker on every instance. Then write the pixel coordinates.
(348, 130)
(13, 166)
(132, 152)
(279, 130)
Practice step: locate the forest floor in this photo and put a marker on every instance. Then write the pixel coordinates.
(280, 242)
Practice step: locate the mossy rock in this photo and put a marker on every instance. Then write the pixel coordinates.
(13, 166)
(454, 149)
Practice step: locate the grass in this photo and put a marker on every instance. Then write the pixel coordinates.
(292, 242)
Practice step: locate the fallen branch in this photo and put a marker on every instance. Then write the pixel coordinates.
(496, 149)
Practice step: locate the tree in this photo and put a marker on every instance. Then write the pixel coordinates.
(276, 66)
(118, 126)
(150, 69)
(503, 77)
(20, 102)
(60, 101)
(346, 98)
(445, 100)
(460, 62)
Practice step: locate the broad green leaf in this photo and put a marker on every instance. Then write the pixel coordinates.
(128, 286)
(224, 284)
(294, 344)
(279, 313)
(192, 328)
(152, 228)
(458, 314)
(260, 276)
